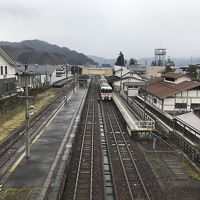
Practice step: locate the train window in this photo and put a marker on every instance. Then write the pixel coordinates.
(106, 91)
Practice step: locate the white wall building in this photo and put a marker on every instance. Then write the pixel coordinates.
(58, 74)
(40, 75)
(120, 71)
(130, 83)
(153, 71)
(173, 93)
(7, 74)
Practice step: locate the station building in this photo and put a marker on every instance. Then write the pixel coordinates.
(173, 92)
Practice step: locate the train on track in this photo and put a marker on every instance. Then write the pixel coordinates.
(105, 89)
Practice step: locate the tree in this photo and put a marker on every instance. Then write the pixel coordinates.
(120, 60)
(168, 68)
(132, 61)
(168, 65)
(170, 62)
(192, 71)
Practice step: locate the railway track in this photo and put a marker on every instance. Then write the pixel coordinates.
(13, 143)
(128, 181)
(102, 165)
(86, 174)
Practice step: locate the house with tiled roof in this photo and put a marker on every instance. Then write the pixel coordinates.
(173, 92)
(7, 74)
(40, 75)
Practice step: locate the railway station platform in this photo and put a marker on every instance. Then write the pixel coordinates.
(136, 127)
(49, 153)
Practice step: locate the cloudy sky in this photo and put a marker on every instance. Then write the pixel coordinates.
(105, 27)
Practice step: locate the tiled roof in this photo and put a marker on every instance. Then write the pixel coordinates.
(37, 69)
(161, 89)
(4, 54)
(155, 80)
(112, 78)
(173, 75)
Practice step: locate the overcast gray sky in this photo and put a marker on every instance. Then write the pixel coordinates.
(105, 27)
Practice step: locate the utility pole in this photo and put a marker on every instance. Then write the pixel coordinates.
(145, 96)
(128, 88)
(74, 82)
(121, 80)
(26, 97)
(27, 113)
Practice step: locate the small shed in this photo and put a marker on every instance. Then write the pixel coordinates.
(83, 80)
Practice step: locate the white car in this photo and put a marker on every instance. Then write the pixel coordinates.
(19, 89)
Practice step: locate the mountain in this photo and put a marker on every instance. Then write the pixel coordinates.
(146, 60)
(101, 60)
(41, 52)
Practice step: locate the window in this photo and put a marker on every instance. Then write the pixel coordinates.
(1, 70)
(6, 70)
(169, 79)
(106, 90)
(181, 105)
(6, 87)
(195, 105)
(155, 100)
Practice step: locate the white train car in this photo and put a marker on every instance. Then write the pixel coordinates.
(105, 89)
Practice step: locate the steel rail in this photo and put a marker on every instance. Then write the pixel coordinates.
(17, 138)
(92, 153)
(121, 160)
(82, 151)
(132, 159)
(108, 149)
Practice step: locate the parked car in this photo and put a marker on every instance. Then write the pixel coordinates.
(19, 89)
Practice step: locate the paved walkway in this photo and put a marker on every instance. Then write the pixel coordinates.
(32, 173)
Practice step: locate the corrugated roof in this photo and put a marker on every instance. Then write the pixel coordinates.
(190, 119)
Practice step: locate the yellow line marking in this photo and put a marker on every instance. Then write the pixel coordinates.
(36, 138)
(17, 162)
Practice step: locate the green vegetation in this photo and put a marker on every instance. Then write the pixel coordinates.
(194, 173)
(120, 60)
(14, 193)
(192, 72)
(14, 118)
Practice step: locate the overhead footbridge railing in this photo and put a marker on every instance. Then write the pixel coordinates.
(135, 123)
(145, 120)
(146, 124)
